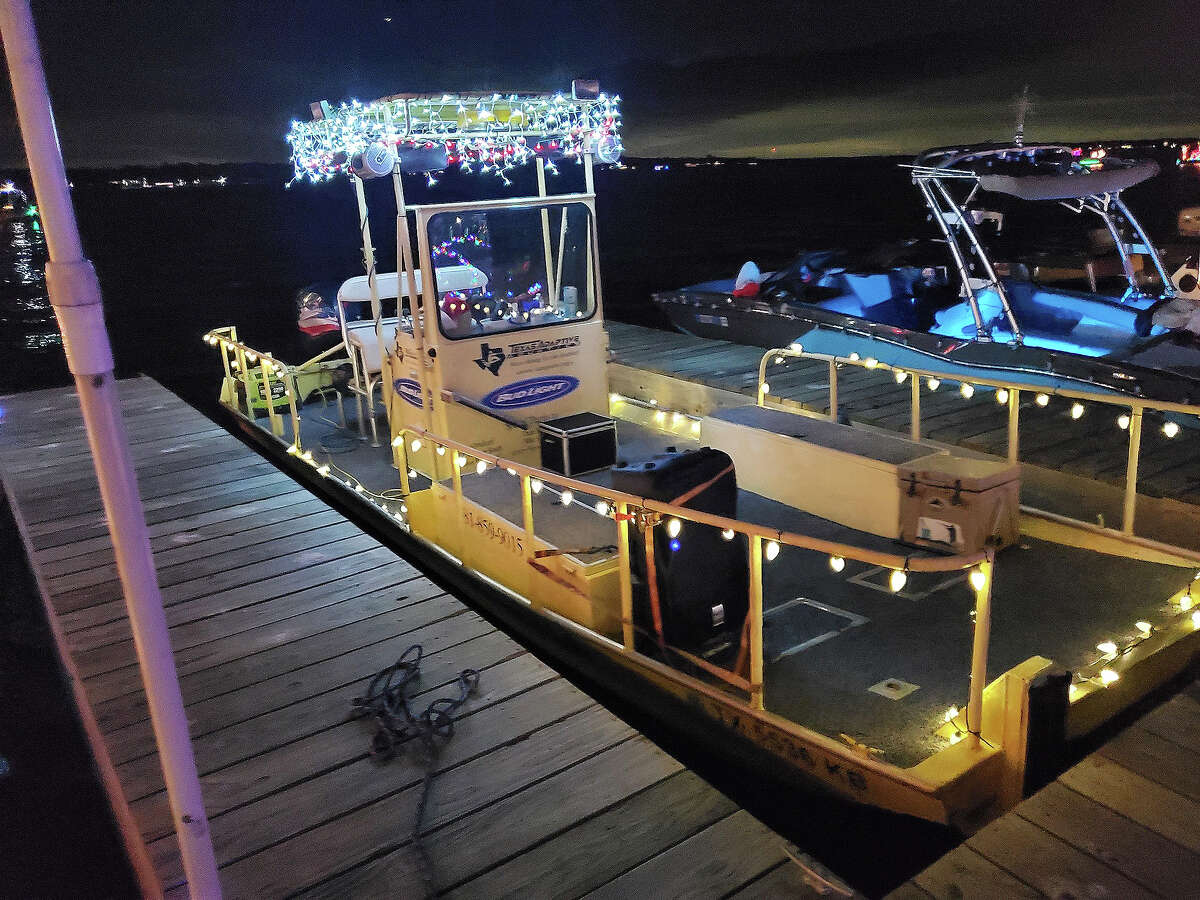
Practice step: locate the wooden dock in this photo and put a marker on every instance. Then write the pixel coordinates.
(280, 609)
(1121, 823)
(1091, 447)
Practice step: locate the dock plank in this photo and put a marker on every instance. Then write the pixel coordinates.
(279, 611)
(967, 875)
(1138, 853)
(1139, 799)
(1049, 865)
(714, 862)
(596, 850)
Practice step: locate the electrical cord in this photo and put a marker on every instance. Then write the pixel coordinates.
(387, 700)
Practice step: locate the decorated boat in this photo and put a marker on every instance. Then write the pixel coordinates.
(971, 299)
(820, 604)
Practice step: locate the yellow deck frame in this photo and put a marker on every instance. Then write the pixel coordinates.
(980, 774)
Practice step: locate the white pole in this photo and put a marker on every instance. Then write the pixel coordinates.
(75, 294)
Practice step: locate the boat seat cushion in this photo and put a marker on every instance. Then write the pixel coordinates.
(361, 336)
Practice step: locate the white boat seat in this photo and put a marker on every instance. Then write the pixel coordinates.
(361, 336)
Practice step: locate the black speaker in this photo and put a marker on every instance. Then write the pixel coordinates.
(702, 578)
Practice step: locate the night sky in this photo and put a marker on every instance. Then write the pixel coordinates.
(150, 82)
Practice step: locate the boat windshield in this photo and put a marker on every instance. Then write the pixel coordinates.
(535, 263)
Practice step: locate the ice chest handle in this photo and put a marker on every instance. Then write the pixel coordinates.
(960, 504)
(577, 444)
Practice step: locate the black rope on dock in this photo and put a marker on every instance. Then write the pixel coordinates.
(387, 700)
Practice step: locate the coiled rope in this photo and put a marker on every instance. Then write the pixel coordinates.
(388, 701)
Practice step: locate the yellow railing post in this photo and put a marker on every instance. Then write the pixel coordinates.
(1131, 470)
(1014, 425)
(224, 347)
(833, 391)
(979, 647)
(914, 430)
(239, 358)
(400, 454)
(624, 575)
(273, 417)
(463, 534)
(527, 525)
(756, 622)
(289, 385)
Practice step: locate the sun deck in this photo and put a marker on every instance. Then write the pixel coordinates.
(279, 610)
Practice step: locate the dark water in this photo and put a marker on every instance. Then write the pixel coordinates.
(175, 262)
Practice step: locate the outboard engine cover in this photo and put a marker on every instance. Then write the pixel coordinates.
(702, 579)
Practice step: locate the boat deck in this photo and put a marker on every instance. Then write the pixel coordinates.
(1092, 447)
(1121, 823)
(279, 610)
(834, 642)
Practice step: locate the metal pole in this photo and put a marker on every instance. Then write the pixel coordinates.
(551, 285)
(1150, 248)
(833, 390)
(979, 648)
(981, 332)
(915, 423)
(75, 294)
(364, 225)
(527, 527)
(1131, 470)
(756, 622)
(406, 279)
(624, 575)
(984, 260)
(1014, 425)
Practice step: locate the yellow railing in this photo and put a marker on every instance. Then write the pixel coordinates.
(1008, 392)
(240, 361)
(764, 545)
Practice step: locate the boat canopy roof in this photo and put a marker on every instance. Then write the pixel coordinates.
(1034, 171)
(1073, 184)
(485, 132)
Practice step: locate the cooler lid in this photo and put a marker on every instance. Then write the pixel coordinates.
(962, 472)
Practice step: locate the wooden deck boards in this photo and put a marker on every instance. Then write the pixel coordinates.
(1092, 446)
(279, 611)
(1121, 823)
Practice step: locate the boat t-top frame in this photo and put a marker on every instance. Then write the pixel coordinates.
(481, 133)
(1029, 172)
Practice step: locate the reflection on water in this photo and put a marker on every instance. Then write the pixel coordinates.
(29, 337)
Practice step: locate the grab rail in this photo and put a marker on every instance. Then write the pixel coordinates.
(1011, 397)
(764, 542)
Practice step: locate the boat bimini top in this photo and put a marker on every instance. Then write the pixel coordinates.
(1029, 172)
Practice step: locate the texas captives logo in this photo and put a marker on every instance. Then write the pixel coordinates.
(492, 358)
(530, 392)
(409, 391)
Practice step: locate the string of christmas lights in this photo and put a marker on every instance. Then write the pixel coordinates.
(495, 132)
